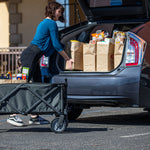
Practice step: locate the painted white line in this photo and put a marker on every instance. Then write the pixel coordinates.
(135, 135)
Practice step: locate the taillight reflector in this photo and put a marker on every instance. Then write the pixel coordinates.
(134, 50)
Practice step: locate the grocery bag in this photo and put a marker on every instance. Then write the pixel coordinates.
(89, 57)
(105, 52)
(76, 53)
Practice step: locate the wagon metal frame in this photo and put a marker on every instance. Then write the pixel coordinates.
(52, 101)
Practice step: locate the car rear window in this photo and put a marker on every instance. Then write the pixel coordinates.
(113, 3)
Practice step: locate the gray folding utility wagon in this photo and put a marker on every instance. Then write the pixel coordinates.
(36, 98)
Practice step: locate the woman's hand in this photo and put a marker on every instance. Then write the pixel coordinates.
(69, 61)
(69, 64)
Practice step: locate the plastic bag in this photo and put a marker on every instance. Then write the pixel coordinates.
(44, 61)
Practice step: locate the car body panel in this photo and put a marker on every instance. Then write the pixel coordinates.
(144, 95)
(121, 87)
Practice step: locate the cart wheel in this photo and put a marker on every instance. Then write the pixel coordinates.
(55, 127)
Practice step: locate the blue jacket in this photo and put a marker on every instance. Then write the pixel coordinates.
(47, 37)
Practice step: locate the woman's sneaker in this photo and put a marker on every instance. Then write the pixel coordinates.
(38, 120)
(15, 120)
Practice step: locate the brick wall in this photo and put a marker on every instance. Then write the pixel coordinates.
(14, 19)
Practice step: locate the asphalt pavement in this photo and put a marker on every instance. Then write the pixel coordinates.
(98, 128)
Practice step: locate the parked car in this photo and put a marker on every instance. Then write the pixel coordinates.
(127, 85)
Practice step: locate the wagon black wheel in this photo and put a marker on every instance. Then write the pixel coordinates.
(55, 127)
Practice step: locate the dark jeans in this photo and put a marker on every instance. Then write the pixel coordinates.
(30, 58)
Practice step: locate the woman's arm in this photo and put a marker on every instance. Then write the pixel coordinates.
(58, 47)
(69, 61)
(64, 55)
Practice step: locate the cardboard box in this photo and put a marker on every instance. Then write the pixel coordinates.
(119, 47)
(6, 81)
(89, 57)
(99, 3)
(76, 53)
(104, 3)
(105, 52)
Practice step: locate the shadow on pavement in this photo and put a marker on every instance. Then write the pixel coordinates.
(124, 119)
(138, 119)
(68, 130)
(81, 130)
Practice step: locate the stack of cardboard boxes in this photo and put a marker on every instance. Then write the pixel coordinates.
(101, 56)
(104, 3)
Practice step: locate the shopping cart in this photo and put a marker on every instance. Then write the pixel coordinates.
(36, 98)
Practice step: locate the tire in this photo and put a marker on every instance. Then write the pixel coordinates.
(55, 128)
(74, 111)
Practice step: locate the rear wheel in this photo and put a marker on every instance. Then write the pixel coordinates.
(74, 111)
(58, 128)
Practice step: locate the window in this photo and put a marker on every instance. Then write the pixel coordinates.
(61, 25)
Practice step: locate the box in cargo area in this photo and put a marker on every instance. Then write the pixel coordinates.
(104, 3)
(75, 51)
(89, 57)
(99, 3)
(105, 52)
(118, 52)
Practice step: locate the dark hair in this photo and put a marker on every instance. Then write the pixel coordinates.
(51, 8)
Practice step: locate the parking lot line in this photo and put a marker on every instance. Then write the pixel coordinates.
(135, 135)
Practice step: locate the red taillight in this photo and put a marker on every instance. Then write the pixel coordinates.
(134, 50)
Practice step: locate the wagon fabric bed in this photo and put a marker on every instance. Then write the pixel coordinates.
(36, 98)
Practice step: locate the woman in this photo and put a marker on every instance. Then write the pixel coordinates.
(45, 42)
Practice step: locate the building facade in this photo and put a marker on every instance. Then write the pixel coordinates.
(19, 19)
